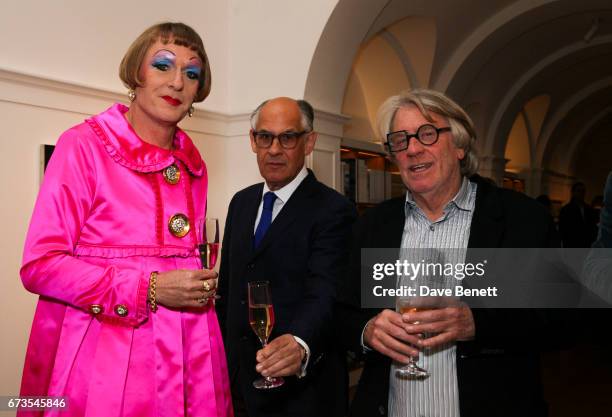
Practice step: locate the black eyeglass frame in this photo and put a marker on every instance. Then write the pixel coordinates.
(415, 135)
(281, 137)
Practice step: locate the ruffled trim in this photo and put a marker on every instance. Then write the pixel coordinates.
(126, 148)
(127, 251)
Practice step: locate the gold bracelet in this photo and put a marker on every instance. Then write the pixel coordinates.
(152, 288)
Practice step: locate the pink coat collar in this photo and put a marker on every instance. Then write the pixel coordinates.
(127, 149)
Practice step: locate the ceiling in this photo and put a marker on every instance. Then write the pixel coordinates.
(495, 56)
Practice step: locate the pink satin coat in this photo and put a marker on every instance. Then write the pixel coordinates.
(100, 226)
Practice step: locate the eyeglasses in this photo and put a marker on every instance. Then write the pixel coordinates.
(288, 140)
(425, 134)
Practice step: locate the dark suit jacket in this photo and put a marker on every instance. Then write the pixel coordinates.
(498, 371)
(577, 225)
(302, 255)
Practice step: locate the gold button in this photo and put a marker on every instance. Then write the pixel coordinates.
(96, 309)
(179, 225)
(121, 310)
(172, 174)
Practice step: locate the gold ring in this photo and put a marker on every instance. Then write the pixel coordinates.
(203, 300)
(206, 286)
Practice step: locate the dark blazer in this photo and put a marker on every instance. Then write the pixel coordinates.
(302, 255)
(577, 225)
(498, 371)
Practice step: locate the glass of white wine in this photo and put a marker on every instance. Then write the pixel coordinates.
(412, 305)
(261, 319)
(209, 248)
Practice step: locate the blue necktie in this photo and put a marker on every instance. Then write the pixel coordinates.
(266, 217)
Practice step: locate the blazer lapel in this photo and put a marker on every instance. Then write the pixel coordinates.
(392, 225)
(487, 226)
(247, 221)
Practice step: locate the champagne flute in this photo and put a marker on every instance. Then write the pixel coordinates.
(209, 248)
(261, 319)
(412, 305)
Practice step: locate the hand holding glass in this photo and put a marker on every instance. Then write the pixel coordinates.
(411, 305)
(261, 319)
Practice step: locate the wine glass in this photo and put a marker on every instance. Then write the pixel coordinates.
(416, 303)
(412, 305)
(261, 319)
(209, 248)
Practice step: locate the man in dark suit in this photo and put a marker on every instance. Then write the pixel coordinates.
(578, 220)
(482, 362)
(291, 231)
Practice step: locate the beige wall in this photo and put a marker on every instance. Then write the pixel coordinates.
(517, 148)
(83, 42)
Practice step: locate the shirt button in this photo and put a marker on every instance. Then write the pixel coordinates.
(121, 310)
(432, 228)
(381, 410)
(242, 302)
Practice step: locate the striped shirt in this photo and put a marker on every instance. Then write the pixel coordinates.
(436, 395)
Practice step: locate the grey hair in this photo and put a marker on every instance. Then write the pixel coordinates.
(462, 127)
(306, 111)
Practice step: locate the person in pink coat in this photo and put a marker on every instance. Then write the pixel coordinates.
(125, 324)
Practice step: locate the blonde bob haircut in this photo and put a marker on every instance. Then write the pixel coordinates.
(430, 101)
(167, 32)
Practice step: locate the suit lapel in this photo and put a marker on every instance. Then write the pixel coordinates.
(247, 221)
(487, 222)
(392, 225)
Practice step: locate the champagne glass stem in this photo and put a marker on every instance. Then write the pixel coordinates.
(269, 381)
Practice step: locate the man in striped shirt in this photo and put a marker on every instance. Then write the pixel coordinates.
(480, 362)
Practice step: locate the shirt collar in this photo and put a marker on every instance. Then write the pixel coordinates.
(462, 200)
(286, 191)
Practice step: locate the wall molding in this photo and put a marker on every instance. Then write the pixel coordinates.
(32, 90)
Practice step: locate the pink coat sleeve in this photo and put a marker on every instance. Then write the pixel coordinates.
(50, 268)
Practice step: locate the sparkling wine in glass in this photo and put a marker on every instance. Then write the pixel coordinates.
(412, 305)
(261, 319)
(209, 248)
